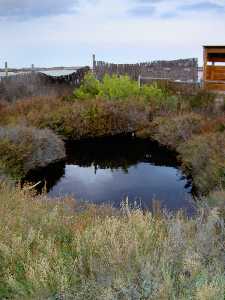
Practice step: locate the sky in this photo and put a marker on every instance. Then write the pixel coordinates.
(67, 32)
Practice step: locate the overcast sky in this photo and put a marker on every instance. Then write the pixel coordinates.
(67, 32)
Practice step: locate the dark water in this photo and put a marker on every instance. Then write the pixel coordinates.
(109, 170)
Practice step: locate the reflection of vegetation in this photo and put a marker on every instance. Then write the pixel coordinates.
(48, 177)
(118, 152)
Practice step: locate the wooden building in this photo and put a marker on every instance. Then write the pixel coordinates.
(214, 68)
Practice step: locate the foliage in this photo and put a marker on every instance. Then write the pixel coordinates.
(204, 157)
(202, 100)
(89, 88)
(23, 149)
(116, 88)
(95, 253)
(75, 120)
(174, 129)
(161, 116)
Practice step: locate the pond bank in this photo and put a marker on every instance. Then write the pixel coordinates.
(184, 125)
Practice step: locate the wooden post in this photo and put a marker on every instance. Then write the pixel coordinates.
(205, 54)
(94, 63)
(6, 69)
(139, 81)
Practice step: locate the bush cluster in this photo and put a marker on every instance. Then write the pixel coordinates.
(204, 157)
(23, 149)
(117, 105)
(122, 87)
(117, 88)
(79, 119)
(174, 130)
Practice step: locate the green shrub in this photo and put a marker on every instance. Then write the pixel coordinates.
(118, 87)
(152, 93)
(89, 88)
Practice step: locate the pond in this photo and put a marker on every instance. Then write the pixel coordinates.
(110, 170)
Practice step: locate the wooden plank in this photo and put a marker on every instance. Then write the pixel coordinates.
(215, 86)
(215, 50)
(215, 73)
(219, 60)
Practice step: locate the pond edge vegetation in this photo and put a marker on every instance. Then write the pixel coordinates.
(188, 124)
(60, 249)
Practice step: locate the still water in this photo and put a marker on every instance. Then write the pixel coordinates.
(110, 170)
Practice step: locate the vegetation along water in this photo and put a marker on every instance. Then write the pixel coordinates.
(54, 246)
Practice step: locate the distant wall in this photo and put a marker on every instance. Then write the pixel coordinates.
(181, 69)
(39, 84)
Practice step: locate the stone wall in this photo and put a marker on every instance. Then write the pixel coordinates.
(181, 69)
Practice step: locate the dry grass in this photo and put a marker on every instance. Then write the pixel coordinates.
(75, 120)
(58, 250)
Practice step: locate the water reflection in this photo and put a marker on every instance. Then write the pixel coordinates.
(109, 170)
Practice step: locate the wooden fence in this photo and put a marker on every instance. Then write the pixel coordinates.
(177, 70)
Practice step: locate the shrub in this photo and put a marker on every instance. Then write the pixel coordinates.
(89, 88)
(172, 130)
(118, 88)
(111, 88)
(204, 157)
(78, 119)
(203, 100)
(152, 93)
(23, 149)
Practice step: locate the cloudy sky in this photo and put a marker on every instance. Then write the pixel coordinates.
(67, 32)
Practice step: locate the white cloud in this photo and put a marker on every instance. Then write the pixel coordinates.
(107, 28)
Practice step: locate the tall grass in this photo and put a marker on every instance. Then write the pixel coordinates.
(59, 250)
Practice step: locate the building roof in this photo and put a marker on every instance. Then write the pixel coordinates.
(214, 46)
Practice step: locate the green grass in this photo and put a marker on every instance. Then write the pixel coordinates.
(61, 250)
